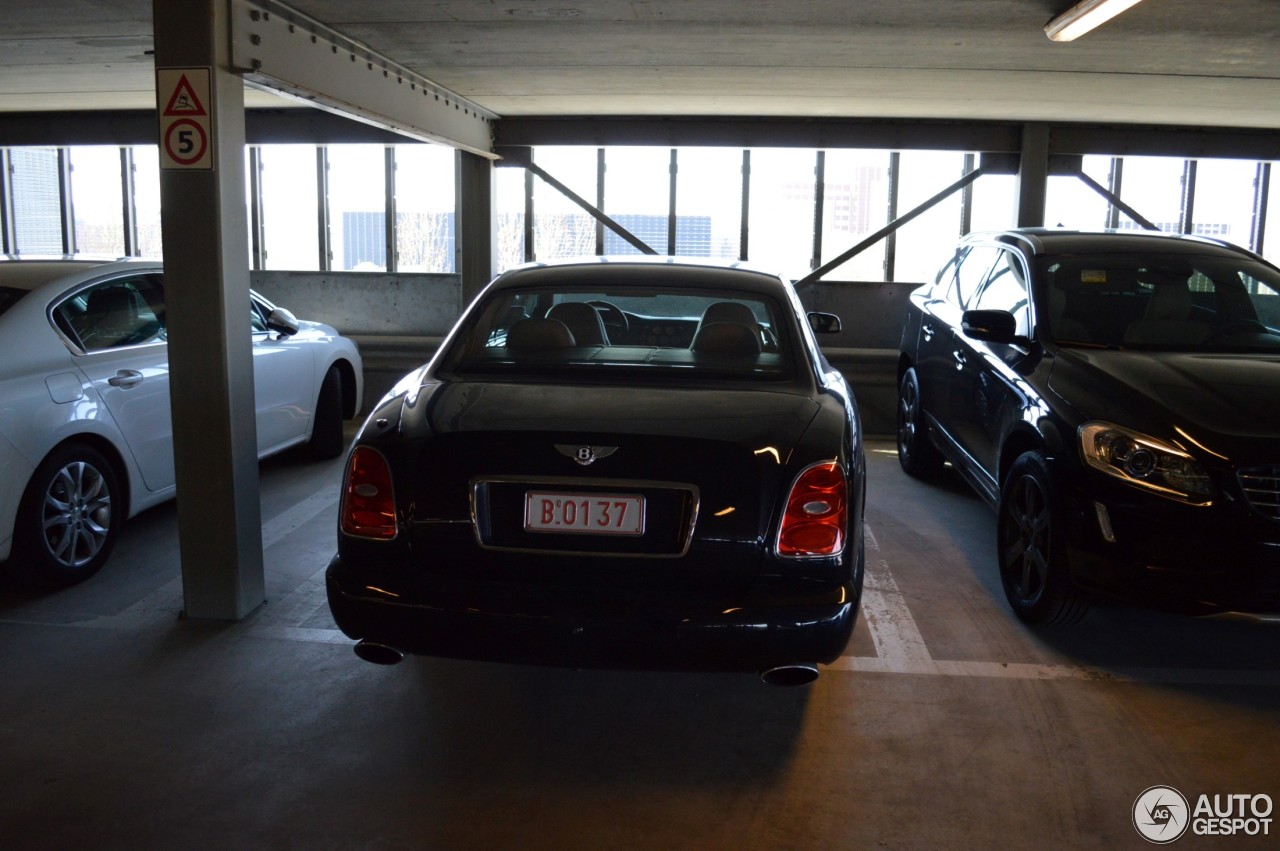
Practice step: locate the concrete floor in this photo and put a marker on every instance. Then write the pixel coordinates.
(947, 725)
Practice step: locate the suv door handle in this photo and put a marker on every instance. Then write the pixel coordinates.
(927, 331)
(961, 360)
(125, 378)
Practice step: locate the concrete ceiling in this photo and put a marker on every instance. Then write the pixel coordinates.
(1179, 62)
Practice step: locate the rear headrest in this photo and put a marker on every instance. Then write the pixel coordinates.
(583, 321)
(729, 311)
(539, 334)
(726, 338)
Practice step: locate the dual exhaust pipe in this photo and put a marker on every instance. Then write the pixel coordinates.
(781, 675)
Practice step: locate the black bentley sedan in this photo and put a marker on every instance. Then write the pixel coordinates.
(1115, 396)
(634, 463)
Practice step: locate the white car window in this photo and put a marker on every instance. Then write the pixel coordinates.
(116, 313)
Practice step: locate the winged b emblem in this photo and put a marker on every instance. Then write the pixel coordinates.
(585, 455)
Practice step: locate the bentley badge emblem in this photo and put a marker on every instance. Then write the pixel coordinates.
(585, 455)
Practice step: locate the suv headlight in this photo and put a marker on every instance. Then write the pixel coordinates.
(1144, 462)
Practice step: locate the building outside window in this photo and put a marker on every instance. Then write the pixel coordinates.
(1070, 203)
(509, 210)
(358, 207)
(37, 216)
(709, 200)
(426, 219)
(1153, 187)
(637, 194)
(290, 225)
(146, 199)
(856, 205)
(1221, 189)
(97, 200)
(925, 243)
(561, 228)
(781, 213)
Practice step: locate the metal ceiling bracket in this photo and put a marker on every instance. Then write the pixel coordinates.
(279, 49)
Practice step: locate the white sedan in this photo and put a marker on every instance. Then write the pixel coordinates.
(86, 438)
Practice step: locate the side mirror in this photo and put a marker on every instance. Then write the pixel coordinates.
(824, 323)
(282, 322)
(991, 326)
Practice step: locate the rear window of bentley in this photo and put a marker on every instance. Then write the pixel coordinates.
(593, 332)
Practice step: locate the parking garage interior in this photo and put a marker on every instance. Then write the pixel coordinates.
(197, 694)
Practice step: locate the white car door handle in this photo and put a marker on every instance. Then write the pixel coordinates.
(125, 378)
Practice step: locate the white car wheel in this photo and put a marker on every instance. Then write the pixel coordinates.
(69, 517)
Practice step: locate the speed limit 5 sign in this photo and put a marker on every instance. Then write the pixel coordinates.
(186, 126)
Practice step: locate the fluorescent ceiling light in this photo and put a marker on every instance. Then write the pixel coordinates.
(1083, 17)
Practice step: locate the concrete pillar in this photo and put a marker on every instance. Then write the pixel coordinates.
(1033, 176)
(476, 221)
(204, 227)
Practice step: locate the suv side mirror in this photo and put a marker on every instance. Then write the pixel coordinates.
(824, 323)
(991, 326)
(282, 322)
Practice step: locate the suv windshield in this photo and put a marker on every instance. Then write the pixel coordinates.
(1172, 302)
(597, 331)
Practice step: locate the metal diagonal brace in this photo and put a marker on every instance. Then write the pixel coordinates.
(817, 273)
(1115, 200)
(520, 158)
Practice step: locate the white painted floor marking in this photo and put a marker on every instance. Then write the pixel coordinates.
(899, 644)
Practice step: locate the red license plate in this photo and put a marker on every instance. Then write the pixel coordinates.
(584, 513)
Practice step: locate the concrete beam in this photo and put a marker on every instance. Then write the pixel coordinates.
(280, 49)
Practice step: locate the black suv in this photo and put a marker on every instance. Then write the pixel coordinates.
(1115, 396)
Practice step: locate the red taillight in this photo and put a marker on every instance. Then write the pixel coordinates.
(368, 498)
(814, 521)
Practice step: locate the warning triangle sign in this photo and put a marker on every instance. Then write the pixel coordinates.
(184, 100)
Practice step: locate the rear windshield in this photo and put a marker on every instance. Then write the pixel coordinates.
(1155, 302)
(601, 331)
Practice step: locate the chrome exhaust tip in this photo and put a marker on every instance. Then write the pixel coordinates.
(379, 654)
(789, 675)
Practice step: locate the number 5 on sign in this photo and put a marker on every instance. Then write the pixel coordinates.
(186, 126)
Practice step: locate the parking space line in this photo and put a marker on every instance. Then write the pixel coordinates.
(898, 641)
